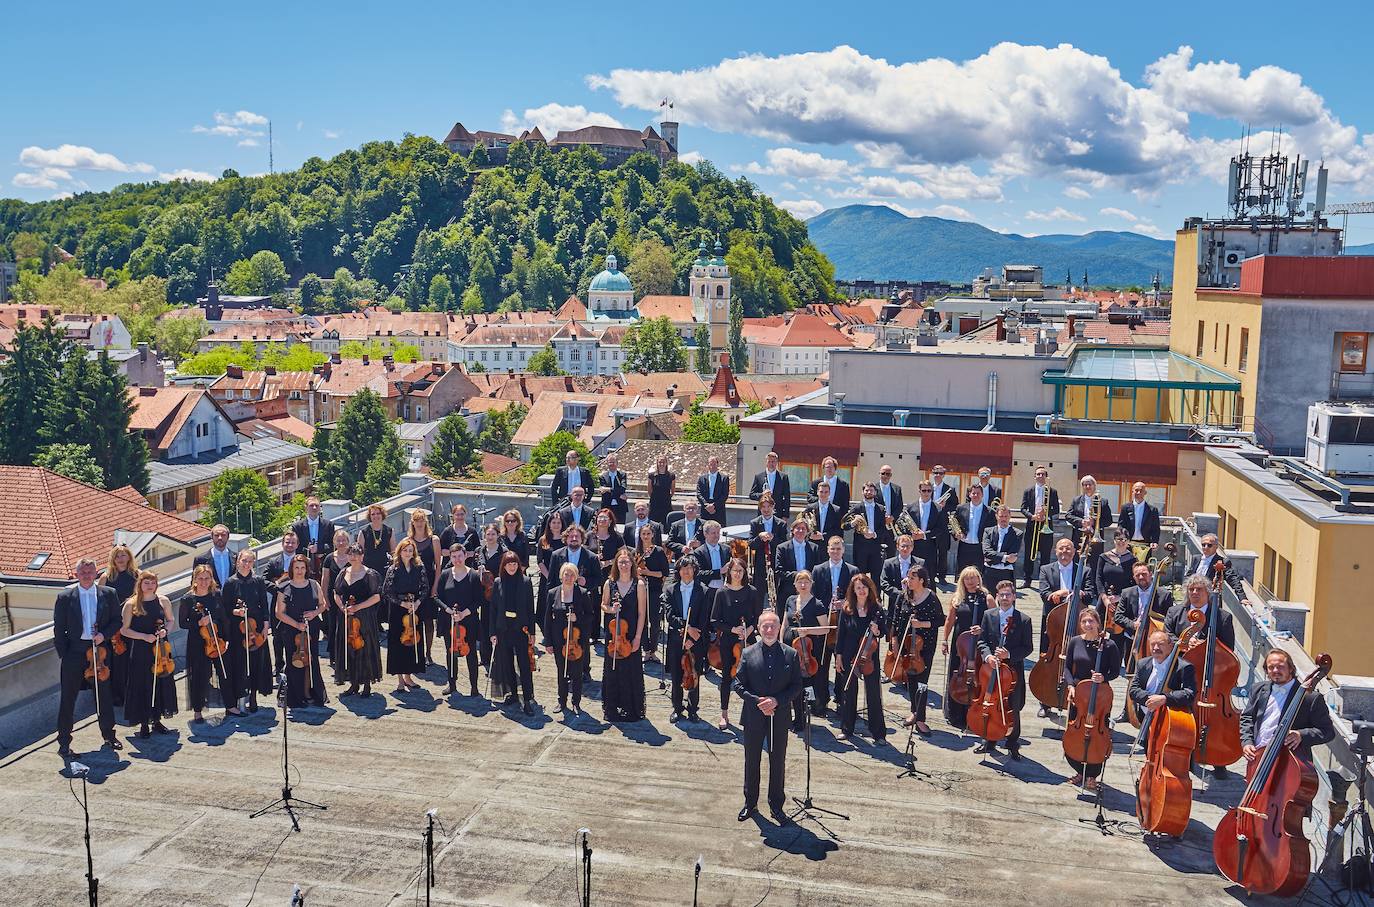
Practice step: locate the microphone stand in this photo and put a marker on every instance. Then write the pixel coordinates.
(92, 883)
(806, 807)
(586, 868)
(911, 771)
(286, 801)
(429, 855)
(696, 882)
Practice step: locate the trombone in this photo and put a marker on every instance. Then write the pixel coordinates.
(1038, 527)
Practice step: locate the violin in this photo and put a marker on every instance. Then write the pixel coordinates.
(1259, 843)
(1088, 736)
(863, 659)
(301, 657)
(619, 644)
(991, 714)
(534, 662)
(163, 663)
(458, 639)
(1164, 789)
(355, 628)
(1218, 672)
(96, 669)
(904, 658)
(409, 625)
(253, 638)
(809, 664)
(963, 683)
(215, 645)
(689, 666)
(118, 645)
(572, 644)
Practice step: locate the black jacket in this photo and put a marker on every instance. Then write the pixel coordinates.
(937, 522)
(866, 549)
(1149, 529)
(585, 517)
(699, 609)
(1203, 567)
(1051, 507)
(678, 539)
(325, 543)
(1312, 721)
(1128, 606)
(705, 497)
(1050, 582)
(840, 498)
(753, 681)
(893, 577)
(821, 588)
(588, 567)
(206, 558)
(973, 535)
(992, 553)
(554, 618)
(1018, 642)
(67, 622)
(782, 491)
(613, 494)
(706, 570)
(563, 485)
(785, 565)
(1176, 621)
(1183, 684)
(897, 500)
(827, 523)
(631, 536)
(519, 600)
(1079, 508)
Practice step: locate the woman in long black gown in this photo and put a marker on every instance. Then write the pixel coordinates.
(121, 572)
(298, 606)
(919, 613)
(549, 542)
(458, 532)
(567, 606)
(335, 630)
(487, 562)
(734, 613)
(510, 629)
(404, 591)
(622, 681)
(357, 591)
(460, 594)
(1081, 663)
(201, 609)
(513, 536)
(654, 569)
(245, 597)
(860, 615)
(662, 487)
(965, 613)
(147, 699)
(427, 547)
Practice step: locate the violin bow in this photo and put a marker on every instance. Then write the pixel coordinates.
(95, 671)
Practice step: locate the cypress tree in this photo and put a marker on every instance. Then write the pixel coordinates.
(454, 450)
(361, 430)
(383, 476)
(27, 382)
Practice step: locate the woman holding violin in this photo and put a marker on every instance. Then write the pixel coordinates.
(625, 604)
(1115, 574)
(965, 616)
(247, 613)
(688, 609)
(487, 560)
(335, 627)
(404, 591)
(201, 615)
(1092, 656)
(550, 542)
(427, 547)
(862, 625)
(510, 628)
(568, 610)
(121, 573)
(652, 562)
(734, 612)
(298, 606)
(603, 539)
(151, 692)
(358, 594)
(916, 618)
(805, 628)
(458, 621)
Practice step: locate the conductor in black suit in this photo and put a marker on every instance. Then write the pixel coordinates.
(568, 477)
(1268, 701)
(713, 490)
(314, 534)
(769, 677)
(775, 481)
(84, 615)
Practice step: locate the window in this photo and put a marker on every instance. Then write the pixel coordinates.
(419, 413)
(1226, 528)
(1226, 350)
(510, 356)
(192, 496)
(1353, 349)
(1278, 574)
(1201, 329)
(1240, 410)
(1121, 393)
(1216, 335)
(1244, 348)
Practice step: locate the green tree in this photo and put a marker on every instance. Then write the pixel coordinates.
(702, 362)
(739, 350)
(455, 449)
(261, 275)
(651, 268)
(73, 461)
(545, 362)
(214, 362)
(28, 379)
(360, 431)
(472, 301)
(298, 357)
(440, 293)
(710, 428)
(653, 345)
(312, 294)
(376, 348)
(241, 500)
(342, 292)
(120, 451)
(287, 515)
(500, 427)
(176, 338)
(384, 471)
(551, 452)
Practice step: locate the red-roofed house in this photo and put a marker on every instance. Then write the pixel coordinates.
(799, 347)
(180, 421)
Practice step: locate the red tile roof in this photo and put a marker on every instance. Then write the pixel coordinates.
(498, 463)
(160, 413)
(674, 308)
(801, 330)
(41, 511)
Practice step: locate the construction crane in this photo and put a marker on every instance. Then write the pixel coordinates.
(1345, 209)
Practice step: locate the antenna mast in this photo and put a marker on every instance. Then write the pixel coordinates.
(270, 167)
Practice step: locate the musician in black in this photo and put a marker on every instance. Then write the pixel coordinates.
(460, 600)
(1006, 635)
(84, 616)
(654, 567)
(931, 534)
(614, 485)
(457, 532)
(892, 581)
(1147, 684)
(827, 518)
(1143, 598)
(768, 680)
(689, 618)
(200, 608)
(567, 605)
(775, 482)
(1079, 515)
(966, 612)
(662, 487)
(972, 518)
(630, 533)
(836, 488)
(568, 477)
(805, 615)
(1040, 507)
(1269, 700)
(889, 494)
(1139, 518)
(578, 511)
(300, 603)
(766, 532)
(713, 490)
(917, 612)
(1001, 549)
(862, 624)
(1082, 662)
(509, 626)
(734, 612)
(1199, 592)
(246, 597)
(711, 556)
(946, 498)
(314, 535)
(686, 534)
(1205, 566)
(792, 556)
(869, 543)
(358, 591)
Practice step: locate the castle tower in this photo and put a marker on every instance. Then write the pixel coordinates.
(709, 286)
(668, 129)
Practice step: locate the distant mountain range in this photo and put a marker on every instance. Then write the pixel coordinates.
(876, 242)
(1366, 249)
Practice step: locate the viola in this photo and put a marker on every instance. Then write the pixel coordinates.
(1164, 789)
(215, 645)
(991, 714)
(534, 660)
(118, 645)
(1088, 736)
(572, 644)
(253, 638)
(619, 643)
(809, 665)
(1218, 672)
(689, 665)
(1259, 843)
(163, 663)
(96, 669)
(963, 683)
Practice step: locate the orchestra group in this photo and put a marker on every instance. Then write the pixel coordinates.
(781, 618)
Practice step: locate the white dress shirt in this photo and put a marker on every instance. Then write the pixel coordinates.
(88, 601)
(1157, 676)
(686, 602)
(1273, 713)
(1139, 521)
(1066, 576)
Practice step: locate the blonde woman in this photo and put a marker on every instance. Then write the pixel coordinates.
(300, 602)
(121, 573)
(404, 591)
(201, 610)
(147, 700)
(965, 613)
(625, 597)
(426, 542)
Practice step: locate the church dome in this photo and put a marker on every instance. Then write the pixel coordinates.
(611, 280)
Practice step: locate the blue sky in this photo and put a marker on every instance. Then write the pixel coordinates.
(1033, 118)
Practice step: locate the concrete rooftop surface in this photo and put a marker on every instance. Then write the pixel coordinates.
(170, 816)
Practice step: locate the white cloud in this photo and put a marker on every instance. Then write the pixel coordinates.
(1121, 213)
(801, 207)
(188, 175)
(691, 158)
(803, 165)
(34, 179)
(77, 157)
(236, 124)
(552, 118)
(887, 187)
(249, 143)
(1059, 213)
(61, 195)
(332, 133)
(1077, 192)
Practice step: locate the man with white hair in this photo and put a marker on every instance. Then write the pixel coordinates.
(84, 619)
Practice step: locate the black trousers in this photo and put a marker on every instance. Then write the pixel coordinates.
(820, 681)
(512, 654)
(941, 565)
(569, 676)
(72, 670)
(757, 727)
(968, 555)
(994, 575)
(1030, 567)
(692, 696)
(727, 661)
(873, 695)
(918, 685)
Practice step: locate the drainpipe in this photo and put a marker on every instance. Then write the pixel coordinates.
(992, 401)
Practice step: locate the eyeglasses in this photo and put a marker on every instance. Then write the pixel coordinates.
(1209, 544)
(510, 519)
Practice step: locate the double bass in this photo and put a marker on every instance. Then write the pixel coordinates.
(1046, 680)
(1218, 672)
(1163, 789)
(1259, 843)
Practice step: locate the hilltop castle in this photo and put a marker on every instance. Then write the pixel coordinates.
(613, 143)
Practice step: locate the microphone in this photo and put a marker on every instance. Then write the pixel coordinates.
(78, 769)
(698, 864)
(297, 896)
(433, 813)
(584, 831)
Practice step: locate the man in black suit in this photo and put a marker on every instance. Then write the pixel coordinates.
(797, 553)
(895, 568)
(838, 487)
(688, 609)
(578, 512)
(1205, 565)
(831, 577)
(314, 535)
(574, 552)
(1001, 548)
(1269, 700)
(776, 482)
(1198, 592)
(928, 517)
(890, 496)
(1140, 519)
(766, 532)
(568, 477)
(868, 545)
(713, 490)
(991, 491)
(946, 498)
(1040, 507)
(613, 488)
(630, 535)
(1139, 600)
(1080, 511)
(1006, 636)
(84, 616)
(1056, 584)
(712, 557)
(972, 519)
(687, 533)
(829, 518)
(768, 679)
(218, 557)
(1147, 687)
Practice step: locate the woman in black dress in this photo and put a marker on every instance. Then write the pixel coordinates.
(734, 613)
(376, 540)
(965, 613)
(603, 540)
(513, 536)
(298, 606)
(245, 596)
(1115, 574)
(919, 613)
(460, 597)
(427, 547)
(147, 699)
(1081, 663)
(404, 591)
(335, 630)
(510, 631)
(201, 610)
(458, 532)
(120, 574)
(652, 562)
(357, 591)
(624, 597)
(860, 615)
(662, 487)
(549, 542)
(568, 605)
(804, 615)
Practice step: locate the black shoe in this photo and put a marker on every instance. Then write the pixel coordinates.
(779, 816)
(114, 744)
(675, 718)
(473, 690)
(143, 733)
(693, 717)
(1015, 754)
(509, 699)
(367, 690)
(746, 813)
(351, 691)
(1221, 772)
(528, 708)
(451, 691)
(1042, 712)
(65, 752)
(799, 728)
(985, 747)
(160, 728)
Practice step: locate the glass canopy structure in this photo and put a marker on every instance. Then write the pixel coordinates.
(1141, 384)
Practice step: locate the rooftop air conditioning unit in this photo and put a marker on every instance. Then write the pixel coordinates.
(1233, 257)
(1340, 438)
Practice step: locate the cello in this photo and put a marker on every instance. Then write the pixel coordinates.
(1163, 789)
(1259, 843)
(963, 683)
(1088, 735)
(1046, 680)
(1218, 672)
(990, 714)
